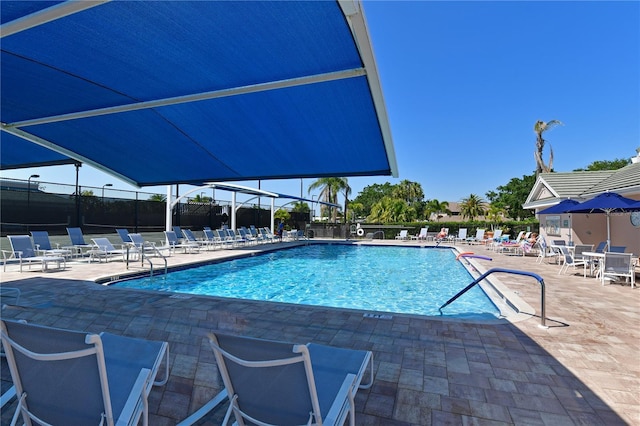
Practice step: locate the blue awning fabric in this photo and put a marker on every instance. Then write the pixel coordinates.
(191, 91)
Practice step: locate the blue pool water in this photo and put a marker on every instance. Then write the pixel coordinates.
(383, 279)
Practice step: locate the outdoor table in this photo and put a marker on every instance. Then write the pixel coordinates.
(591, 256)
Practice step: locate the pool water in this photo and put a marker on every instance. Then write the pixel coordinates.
(407, 280)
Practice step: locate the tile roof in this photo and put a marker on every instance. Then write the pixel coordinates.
(581, 185)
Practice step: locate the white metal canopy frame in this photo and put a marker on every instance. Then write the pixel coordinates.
(186, 92)
(234, 189)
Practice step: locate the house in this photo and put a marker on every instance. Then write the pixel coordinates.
(579, 228)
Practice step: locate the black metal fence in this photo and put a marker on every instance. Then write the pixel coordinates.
(29, 206)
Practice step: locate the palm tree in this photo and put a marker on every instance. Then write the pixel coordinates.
(158, 197)
(495, 213)
(472, 206)
(329, 189)
(300, 207)
(540, 127)
(409, 191)
(437, 207)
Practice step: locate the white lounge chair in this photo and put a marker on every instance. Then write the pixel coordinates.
(478, 238)
(281, 383)
(65, 377)
(462, 236)
(402, 235)
(23, 251)
(102, 248)
(422, 235)
(148, 248)
(191, 239)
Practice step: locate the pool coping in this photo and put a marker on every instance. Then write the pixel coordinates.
(512, 308)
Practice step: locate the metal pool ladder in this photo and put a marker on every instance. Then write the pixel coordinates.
(507, 271)
(143, 258)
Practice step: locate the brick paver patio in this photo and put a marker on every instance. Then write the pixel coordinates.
(583, 369)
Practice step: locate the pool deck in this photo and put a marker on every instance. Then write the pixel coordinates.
(583, 369)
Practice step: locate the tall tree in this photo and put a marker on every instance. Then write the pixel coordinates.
(157, 197)
(472, 206)
(540, 127)
(300, 207)
(438, 208)
(389, 210)
(372, 194)
(411, 192)
(329, 189)
(513, 195)
(616, 164)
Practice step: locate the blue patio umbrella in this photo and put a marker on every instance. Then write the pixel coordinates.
(607, 203)
(561, 207)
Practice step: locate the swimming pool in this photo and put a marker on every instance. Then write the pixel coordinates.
(406, 280)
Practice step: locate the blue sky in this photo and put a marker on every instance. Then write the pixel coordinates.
(464, 83)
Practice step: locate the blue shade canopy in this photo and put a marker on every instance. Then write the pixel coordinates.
(192, 91)
(561, 207)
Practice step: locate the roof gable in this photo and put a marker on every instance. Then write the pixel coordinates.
(550, 188)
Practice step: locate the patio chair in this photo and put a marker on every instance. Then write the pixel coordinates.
(65, 377)
(569, 260)
(600, 247)
(617, 266)
(43, 245)
(23, 251)
(283, 383)
(617, 249)
(544, 251)
(102, 248)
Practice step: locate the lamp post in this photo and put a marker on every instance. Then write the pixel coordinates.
(29, 188)
(313, 207)
(108, 185)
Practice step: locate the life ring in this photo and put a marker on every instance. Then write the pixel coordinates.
(462, 254)
(360, 232)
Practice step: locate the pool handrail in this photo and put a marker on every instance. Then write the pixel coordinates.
(508, 271)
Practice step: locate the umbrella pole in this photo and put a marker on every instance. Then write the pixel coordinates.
(608, 230)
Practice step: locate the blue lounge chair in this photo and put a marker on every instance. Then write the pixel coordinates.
(23, 251)
(124, 235)
(283, 383)
(174, 243)
(77, 240)
(66, 377)
(43, 245)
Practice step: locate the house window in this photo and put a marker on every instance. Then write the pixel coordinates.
(552, 225)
